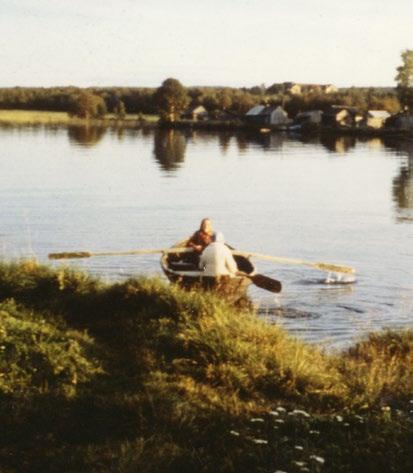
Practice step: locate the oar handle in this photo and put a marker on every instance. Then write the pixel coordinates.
(336, 268)
(87, 254)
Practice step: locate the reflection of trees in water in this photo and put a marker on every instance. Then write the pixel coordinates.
(169, 148)
(86, 135)
(242, 142)
(403, 182)
(267, 141)
(338, 144)
(224, 139)
(403, 187)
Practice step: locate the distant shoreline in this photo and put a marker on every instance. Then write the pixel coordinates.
(38, 117)
(137, 121)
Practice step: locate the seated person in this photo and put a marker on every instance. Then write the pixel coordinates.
(202, 237)
(217, 259)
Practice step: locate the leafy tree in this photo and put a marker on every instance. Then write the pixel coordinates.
(87, 105)
(120, 110)
(224, 99)
(171, 98)
(404, 79)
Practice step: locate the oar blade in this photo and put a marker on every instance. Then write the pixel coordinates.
(267, 283)
(69, 255)
(334, 268)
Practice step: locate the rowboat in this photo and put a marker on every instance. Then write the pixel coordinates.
(181, 268)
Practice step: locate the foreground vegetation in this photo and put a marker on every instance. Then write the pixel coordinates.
(141, 376)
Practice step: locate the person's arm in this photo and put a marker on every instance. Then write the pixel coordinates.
(192, 243)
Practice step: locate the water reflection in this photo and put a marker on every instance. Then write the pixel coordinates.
(338, 144)
(224, 141)
(403, 182)
(169, 148)
(267, 141)
(87, 135)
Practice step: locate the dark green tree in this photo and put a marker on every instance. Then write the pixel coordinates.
(404, 79)
(171, 99)
(120, 110)
(87, 105)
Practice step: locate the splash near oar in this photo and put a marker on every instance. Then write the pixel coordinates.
(339, 278)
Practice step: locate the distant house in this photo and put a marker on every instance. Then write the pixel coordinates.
(196, 112)
(341, 116)
(266, 115)
(311, 116)
(318, 88)
(401, 121)
(294, 88)
(330, 89)
(374, 119)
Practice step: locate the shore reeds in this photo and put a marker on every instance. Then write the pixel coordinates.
(37, 117)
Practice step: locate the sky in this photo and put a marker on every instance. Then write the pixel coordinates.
(211, 42)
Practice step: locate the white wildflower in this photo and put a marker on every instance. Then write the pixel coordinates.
(386, 408)
(274, 413)
(260, 441)
(339, 418)
(234, 433)
(281, 409)
(301, 413)
(346, 424)
(280, 471)
(297, 463)
(411, 401)
(299, 447)
(317, 459)
(257, 420)
(314, 432)
(279, 421)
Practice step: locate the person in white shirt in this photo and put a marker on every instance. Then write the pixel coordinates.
(216, 259)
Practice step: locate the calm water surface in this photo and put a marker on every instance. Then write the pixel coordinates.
(333, 200)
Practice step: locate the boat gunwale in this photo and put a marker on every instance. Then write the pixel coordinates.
(199, 275)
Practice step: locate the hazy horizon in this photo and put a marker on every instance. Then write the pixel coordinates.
(223, 43)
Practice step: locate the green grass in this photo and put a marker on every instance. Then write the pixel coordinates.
(36, 117)
(142, 376)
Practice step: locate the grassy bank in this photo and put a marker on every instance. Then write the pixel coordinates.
(33, 117)
(141, 376)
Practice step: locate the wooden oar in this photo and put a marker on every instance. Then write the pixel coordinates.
(87, 254)
(336, 268)
(264, 282)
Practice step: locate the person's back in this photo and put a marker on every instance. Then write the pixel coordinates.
(217, 259)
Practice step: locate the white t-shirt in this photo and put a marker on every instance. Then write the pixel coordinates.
(217, 260)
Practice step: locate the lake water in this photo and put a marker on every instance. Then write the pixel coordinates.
(325, 200)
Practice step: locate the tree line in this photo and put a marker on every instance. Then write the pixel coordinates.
(171, 98)
(236, 101)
